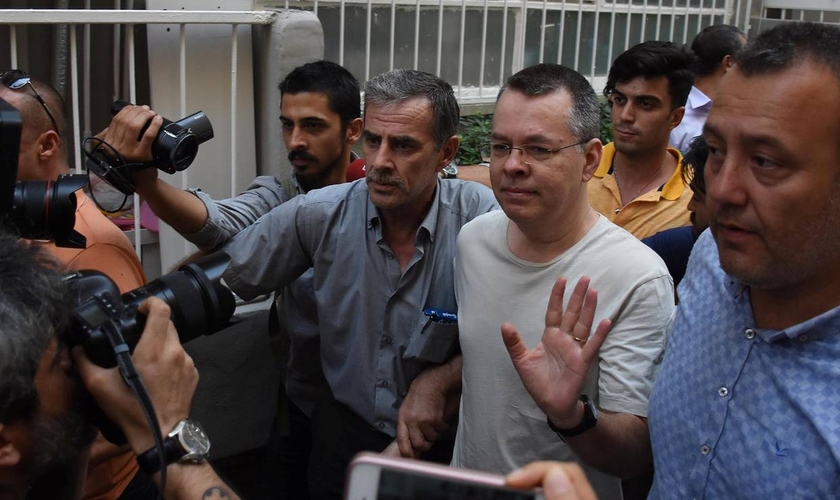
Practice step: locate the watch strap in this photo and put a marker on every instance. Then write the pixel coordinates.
(149, 460)
(590, 418)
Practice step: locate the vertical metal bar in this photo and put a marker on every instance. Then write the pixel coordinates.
(315, 7)
(504, 43)
(416, 34)
(737, 13)
(461, 51)
(13, 45)
(644, 21)
(685, 22)
(542, 31)
(629, 24)
(74, 99)
(368, 29)
(673, 22)
(747, 17)
(595, 40)
(561, 33)
(393, 33)
(483, 51)
(440, 38)
(234, 66)
(341, 20)
(700, 17)
(612, 35)
(182, 98)
(521, 30)
(658, 18)
(132, 93)
(577, 41)
(86, 74)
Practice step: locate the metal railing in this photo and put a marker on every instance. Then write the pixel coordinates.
(476, 44)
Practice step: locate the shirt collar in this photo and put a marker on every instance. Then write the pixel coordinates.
(429, 223)
(671, 190)
(697, 99)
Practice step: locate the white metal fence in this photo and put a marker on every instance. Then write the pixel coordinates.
(476, 44)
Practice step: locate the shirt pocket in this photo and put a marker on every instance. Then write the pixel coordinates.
(432, 341)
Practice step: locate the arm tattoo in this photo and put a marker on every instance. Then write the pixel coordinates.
(215, 493)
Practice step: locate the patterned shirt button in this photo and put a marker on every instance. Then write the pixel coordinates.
(381, 425)
(386, 339)
(383, 383)
(705, 449)
(723, 391)
(803, 338)
(617, 210)
(749, 333)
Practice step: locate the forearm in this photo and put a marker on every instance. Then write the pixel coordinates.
(178, 208)
(195, 482)
(618, 445)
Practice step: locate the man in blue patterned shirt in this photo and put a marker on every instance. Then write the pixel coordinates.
(747, 401)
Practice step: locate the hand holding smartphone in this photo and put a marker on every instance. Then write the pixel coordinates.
(376, 477)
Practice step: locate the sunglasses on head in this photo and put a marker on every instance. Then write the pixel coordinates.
(16, 79)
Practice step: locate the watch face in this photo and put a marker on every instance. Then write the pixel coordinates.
(194, 440)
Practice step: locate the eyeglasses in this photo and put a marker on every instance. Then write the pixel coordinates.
(16, 79)
(499, 152)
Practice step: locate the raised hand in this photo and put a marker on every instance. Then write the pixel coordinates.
(553, 372)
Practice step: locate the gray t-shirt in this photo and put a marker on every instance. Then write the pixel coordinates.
(500, 426)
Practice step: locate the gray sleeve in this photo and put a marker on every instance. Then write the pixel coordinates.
(228, 217)
(629, 355)
(272, 252)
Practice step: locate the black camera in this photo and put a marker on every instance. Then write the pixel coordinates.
(176, 145)
(199, 305)
(38, 210)
(174, 149)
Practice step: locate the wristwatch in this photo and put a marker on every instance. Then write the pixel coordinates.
(186, 443)
(590, 418)
(450, 171)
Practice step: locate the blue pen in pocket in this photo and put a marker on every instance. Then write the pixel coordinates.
(440, 316)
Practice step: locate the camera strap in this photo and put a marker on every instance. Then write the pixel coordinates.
(132, 378)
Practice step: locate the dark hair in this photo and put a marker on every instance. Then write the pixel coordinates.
(33, 311)
(694, 164)
(791, 43)
(338, 84)
(651, 60)
(714, 43)
(400, 85)
(540, 79)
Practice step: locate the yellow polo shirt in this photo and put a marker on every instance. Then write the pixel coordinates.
(658, 209)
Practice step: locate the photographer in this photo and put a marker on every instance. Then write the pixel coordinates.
(45, 427)
(43, 157)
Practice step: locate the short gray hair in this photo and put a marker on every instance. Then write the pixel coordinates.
(400, 85)
(541, 79)
(33, 311)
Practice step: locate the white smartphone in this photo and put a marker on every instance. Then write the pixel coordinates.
(376, 477)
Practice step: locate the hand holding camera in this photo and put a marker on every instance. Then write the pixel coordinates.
(168, 372)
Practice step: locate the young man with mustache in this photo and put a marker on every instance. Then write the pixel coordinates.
(639, 184)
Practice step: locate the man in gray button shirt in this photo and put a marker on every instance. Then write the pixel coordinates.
(382, 255)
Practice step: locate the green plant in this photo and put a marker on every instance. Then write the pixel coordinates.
(606, 124)
(475, 131)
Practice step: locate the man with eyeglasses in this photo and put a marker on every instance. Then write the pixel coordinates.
(638, 184)
(44, 156)
(543, 150)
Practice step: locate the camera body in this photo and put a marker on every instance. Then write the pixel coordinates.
(173, 149)
(37, 210)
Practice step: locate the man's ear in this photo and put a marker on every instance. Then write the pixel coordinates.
(447, 152)
(9, 454)
(676, 117)
(49, 145)
(354, 130)
(592, 152)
